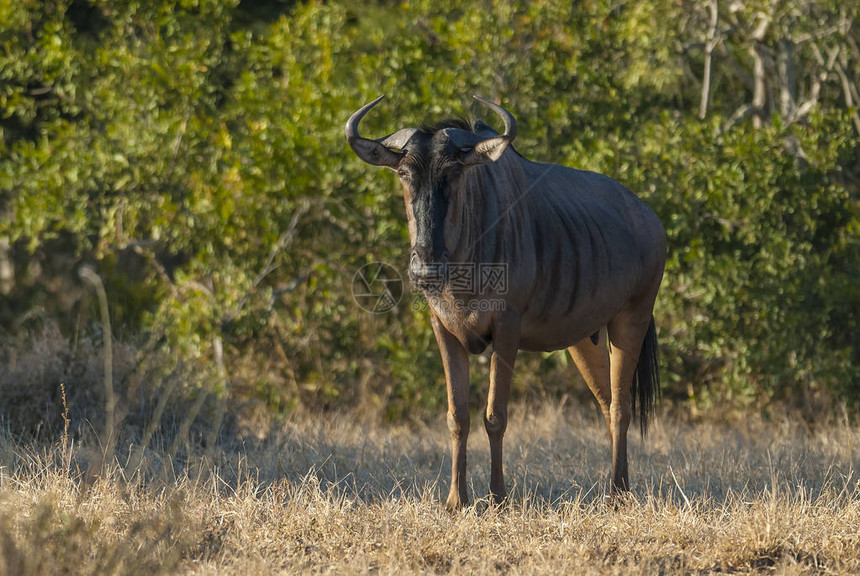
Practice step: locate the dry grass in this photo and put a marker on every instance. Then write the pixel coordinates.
(331, 495)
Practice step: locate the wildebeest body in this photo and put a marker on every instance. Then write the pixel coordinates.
(582, 229)
(583, 258)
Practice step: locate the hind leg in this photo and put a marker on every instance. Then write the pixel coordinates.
(626, 332)
(592, 360)
(506, 337)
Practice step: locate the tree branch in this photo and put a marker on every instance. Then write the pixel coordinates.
(91, 277)
(760, 86)
(712, 41)
(849, 93)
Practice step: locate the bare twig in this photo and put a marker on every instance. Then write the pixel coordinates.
(710, 44)
(90, 276)
(220, 399)
(64, 441)
(185, 426)
(788, 87)
(153, 423)
(286, 238)
(681, 490)
(740, 116)
(759, 86)
(849, 93)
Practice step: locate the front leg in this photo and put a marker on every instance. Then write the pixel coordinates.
(455, 359)
(506, 339)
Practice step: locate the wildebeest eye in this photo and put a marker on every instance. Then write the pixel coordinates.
(403, 173)
(466, 149)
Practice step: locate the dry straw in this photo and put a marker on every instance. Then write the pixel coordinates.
(324, 494)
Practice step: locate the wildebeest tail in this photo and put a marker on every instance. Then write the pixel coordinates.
(646, 382)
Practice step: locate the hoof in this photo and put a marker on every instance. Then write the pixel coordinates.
(498, 500)
(618, 499)
(455, 504)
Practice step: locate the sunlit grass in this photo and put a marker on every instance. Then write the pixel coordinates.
(330, 494)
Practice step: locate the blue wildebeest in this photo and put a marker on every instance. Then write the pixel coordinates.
(583, 258)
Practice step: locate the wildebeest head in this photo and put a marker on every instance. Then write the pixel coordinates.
(429, 162)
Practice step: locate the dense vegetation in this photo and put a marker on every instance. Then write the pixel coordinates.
(191, 153)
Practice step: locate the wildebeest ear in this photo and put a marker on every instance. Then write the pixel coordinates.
(486, 151)
(477, 149)
(397, 142)
(491, 149)
(375, 153)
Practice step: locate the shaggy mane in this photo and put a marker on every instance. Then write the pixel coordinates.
(460, 123)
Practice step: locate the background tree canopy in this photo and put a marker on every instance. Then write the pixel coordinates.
(192, 153)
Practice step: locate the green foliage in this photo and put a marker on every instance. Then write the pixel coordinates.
(193, 151)
(760, 249)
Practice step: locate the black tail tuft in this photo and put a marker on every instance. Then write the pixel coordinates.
(646, 382)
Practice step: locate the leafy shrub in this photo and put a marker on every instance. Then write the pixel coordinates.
(193, 152)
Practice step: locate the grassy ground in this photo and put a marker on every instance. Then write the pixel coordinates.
(332, 495)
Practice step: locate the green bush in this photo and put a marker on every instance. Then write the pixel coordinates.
(193, 152)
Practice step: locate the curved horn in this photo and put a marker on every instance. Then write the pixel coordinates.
(491, 149)
(507, 117)
(352, 123)
(370, 151)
